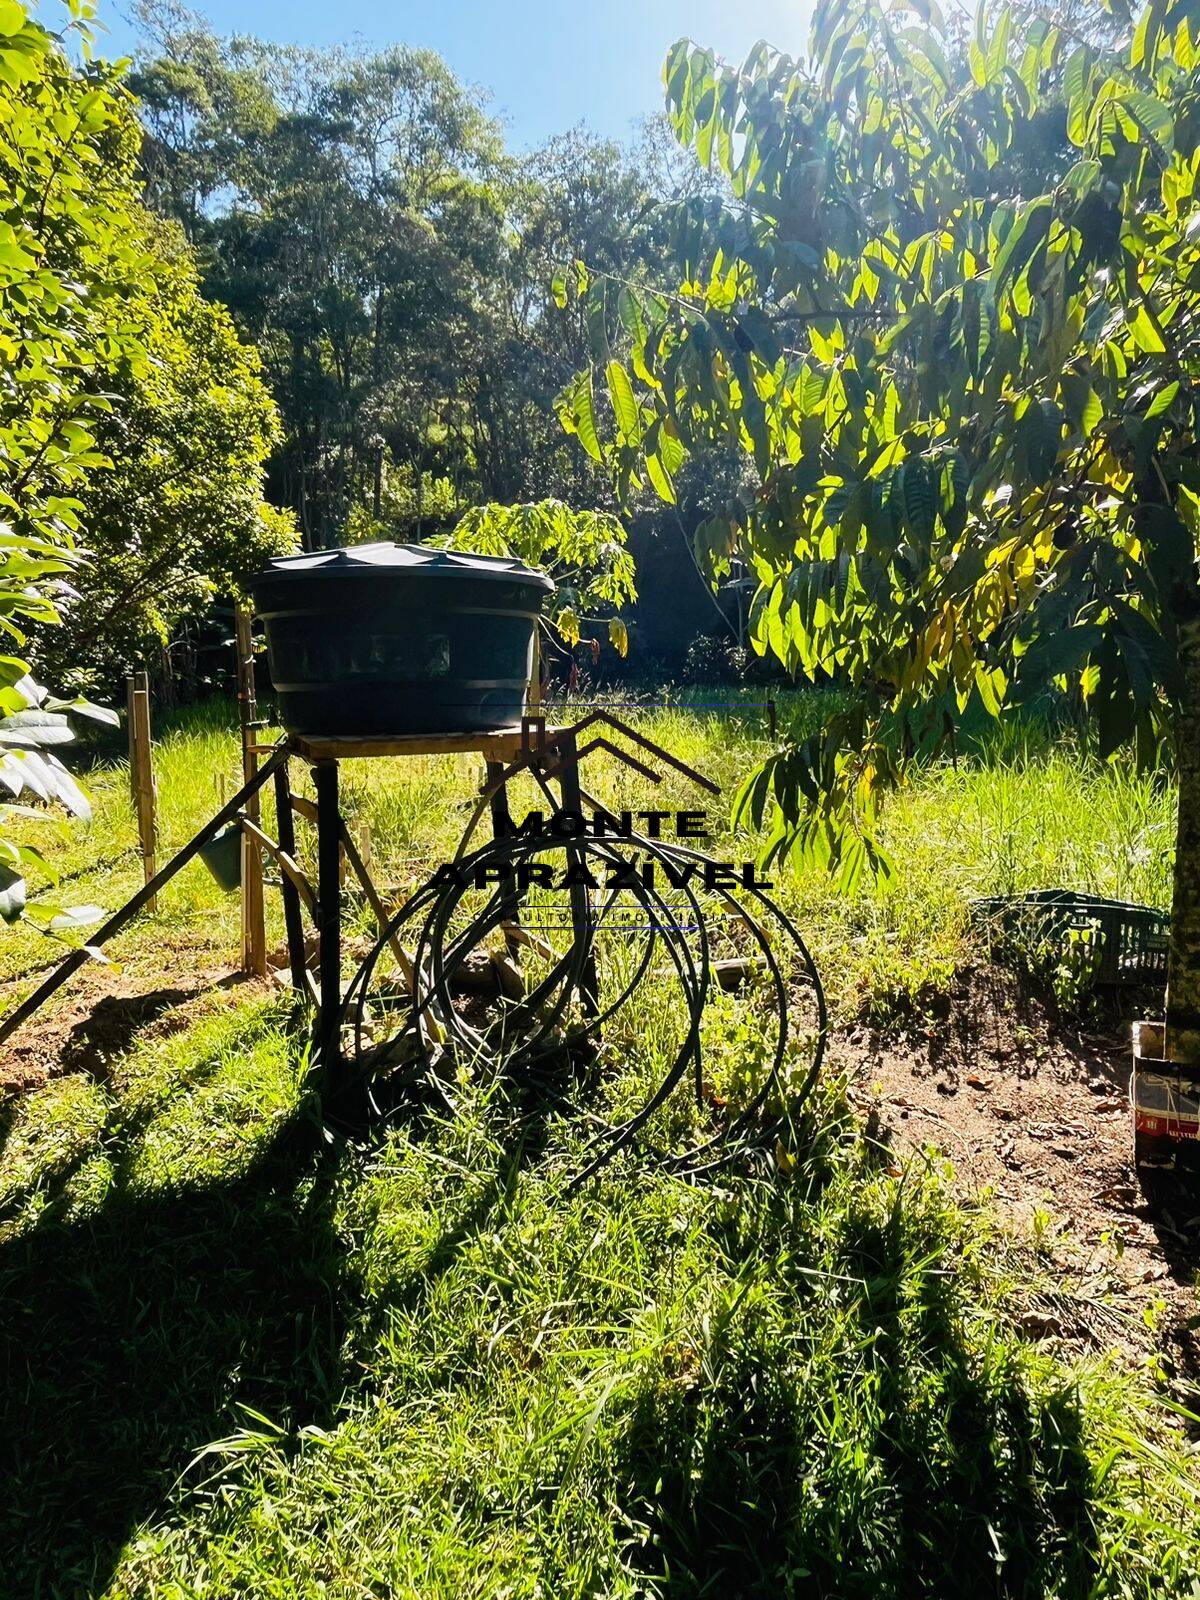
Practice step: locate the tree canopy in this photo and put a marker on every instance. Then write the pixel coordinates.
(583, 551)
(68, 261)
(392, 261)
(178, 519)
(966, 411)
(113, 368)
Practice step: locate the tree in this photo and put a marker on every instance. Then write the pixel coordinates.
(69, 261)
(201, 107)
(132, 426)
(583, 551)
(359, 215)
(178, 517)
(348, 208)
(576, 197)
(970, 411)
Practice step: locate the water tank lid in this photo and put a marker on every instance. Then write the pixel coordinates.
(414, 558)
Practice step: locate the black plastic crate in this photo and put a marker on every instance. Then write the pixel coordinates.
(1109, 942)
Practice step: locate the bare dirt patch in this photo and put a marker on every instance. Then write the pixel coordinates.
(1031, 1106)
(99, 1020)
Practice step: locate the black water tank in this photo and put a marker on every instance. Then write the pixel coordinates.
(399, 639)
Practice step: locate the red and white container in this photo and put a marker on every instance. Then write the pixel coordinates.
(1164, 1097)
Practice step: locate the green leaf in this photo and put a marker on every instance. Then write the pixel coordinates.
(77, 917)
(1076, 83)
(1053, 654)
(625, 407)
(86, 708)
(760, 330)
(1162, 400)
(585, 420)
(12, 894)
(661, 480)
(1083, 175)
(1040, 427)
(630, 313)
(1145, 34)
(852, 862)
(919, 504)
(95, 953)
(1144, 333)
(1112, 703)
(1152, 117)
(997, 50)
(992, 685)
(1026, 233)
(567, 623)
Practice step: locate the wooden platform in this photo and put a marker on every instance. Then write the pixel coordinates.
(499, 744)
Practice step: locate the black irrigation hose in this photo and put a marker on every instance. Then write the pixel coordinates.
(540, 1020)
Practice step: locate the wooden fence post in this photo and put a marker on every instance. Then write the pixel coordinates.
(254, 930)
(141, 776)
(131, 733)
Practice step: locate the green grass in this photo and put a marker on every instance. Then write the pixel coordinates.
(240, 1356)
(241, 1359)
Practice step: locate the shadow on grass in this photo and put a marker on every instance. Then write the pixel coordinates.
(114, 1022)
(994, 1010)
(901, 1462)
(131, 1339)
(125, 1340)
(851, 1449)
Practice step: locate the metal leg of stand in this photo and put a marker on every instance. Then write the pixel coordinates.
(329, 921)
(581, 910)
(293, 919)
(502, 826)
(501, 815)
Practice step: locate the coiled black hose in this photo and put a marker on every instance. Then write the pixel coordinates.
(566, 1009)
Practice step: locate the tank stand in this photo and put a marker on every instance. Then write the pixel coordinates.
(505, 752)
(558, 1016)
(550, 752)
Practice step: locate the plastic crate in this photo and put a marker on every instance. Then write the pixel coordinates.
(1110, 942)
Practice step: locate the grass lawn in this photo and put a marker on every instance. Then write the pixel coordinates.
(240, 1355)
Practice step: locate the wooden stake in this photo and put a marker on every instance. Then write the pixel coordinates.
(292, 920)
(144, 787)
(254, 928)
(131, 732)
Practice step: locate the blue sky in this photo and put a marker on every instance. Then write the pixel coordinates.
(548, 64)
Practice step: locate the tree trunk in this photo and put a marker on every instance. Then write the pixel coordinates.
(1183, 970)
